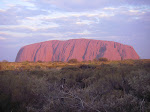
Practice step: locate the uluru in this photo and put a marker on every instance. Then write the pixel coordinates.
(80, 49)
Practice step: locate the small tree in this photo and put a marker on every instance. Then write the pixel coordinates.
(95, 60)
(4, 61)
(102, 59)
(73, 61)
(39, 61)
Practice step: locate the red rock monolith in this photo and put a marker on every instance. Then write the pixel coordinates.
(80, 49)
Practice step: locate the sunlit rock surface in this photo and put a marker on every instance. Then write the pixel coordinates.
(80, 49)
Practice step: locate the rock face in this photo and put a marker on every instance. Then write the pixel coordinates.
(80, 49)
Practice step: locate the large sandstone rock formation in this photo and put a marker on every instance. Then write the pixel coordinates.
(81, 49)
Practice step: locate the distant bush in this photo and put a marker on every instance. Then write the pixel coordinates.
(25, 62)
(4, 61)
(37, 67)
(89, 61)
(73, 61)
(39, 61)
(70, 68)
(102, 59)
(95, 60)
(87, 66)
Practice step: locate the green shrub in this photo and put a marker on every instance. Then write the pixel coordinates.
(73, 61)
(25, 63)
(87, 66)
(39, 61)
(68, 68)
(103, 59)
(140, 82)
(95, 60)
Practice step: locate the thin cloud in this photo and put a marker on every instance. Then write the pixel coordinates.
(82, 5)
(84, 22)
(2, 38)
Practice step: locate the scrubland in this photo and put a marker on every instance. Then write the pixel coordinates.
(93, 86)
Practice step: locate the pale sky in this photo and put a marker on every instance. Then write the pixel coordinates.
(24, 22)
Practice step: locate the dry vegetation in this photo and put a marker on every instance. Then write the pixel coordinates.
(93, 86)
